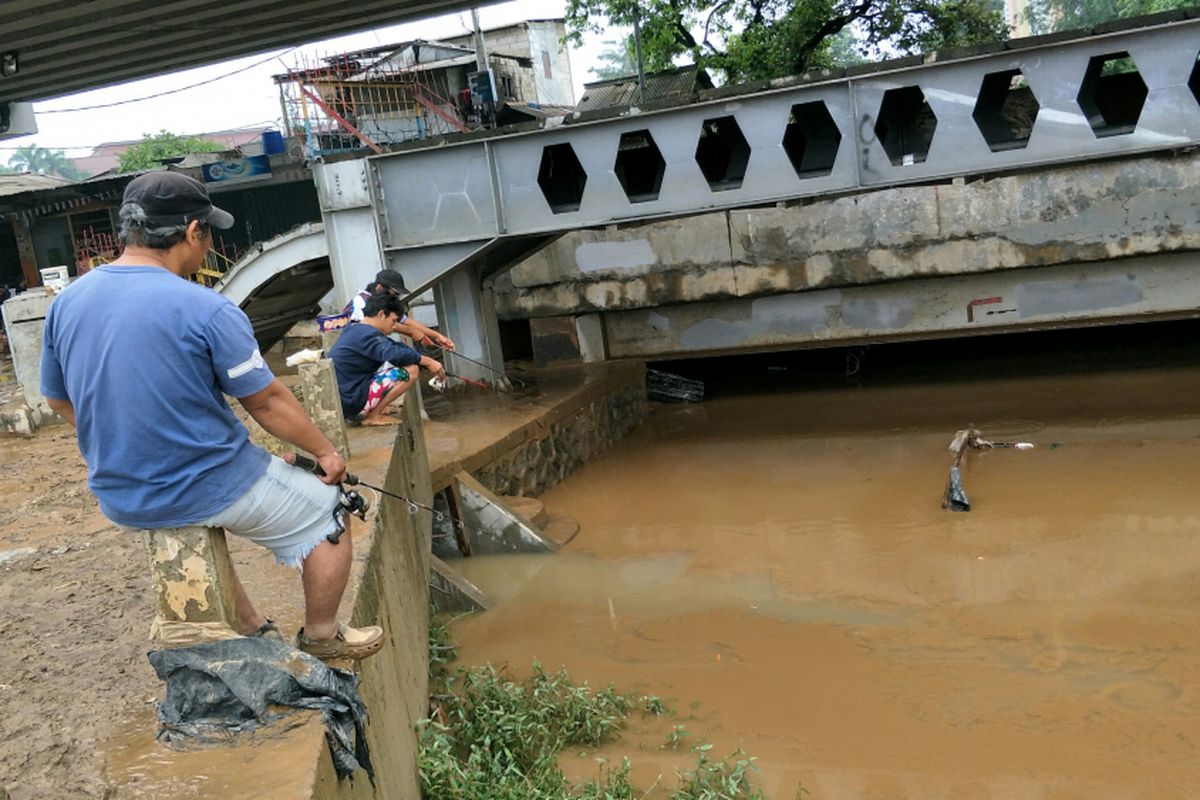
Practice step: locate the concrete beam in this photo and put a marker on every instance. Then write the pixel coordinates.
(193, 585)
(491, 526)
(467, 314)
(1151, 287)
(451, 591)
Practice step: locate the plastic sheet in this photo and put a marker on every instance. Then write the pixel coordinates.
(221, 688)
(955, 498)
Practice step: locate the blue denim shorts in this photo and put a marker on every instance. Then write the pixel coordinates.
(288, 511)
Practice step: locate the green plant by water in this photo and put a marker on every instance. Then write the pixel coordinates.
(496, 738)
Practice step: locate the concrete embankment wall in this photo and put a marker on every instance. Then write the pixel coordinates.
(537, 455)
(1075, 214)
(393, 591)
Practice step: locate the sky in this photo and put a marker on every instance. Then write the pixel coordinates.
(249, 99)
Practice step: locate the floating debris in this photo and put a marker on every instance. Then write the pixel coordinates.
(954, 498)
(668, 388)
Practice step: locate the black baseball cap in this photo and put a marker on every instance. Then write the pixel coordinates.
(392, 280)
(172, 198)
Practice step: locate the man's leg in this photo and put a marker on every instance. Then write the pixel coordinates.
(249, 620)
(377, 415)
(326, 571)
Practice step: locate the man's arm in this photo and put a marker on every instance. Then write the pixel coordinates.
(401, 355)
(280, 414)
(434, 366)
(421, 333)
(63, 408)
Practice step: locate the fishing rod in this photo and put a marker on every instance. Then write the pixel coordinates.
(496, 372)
(360, 510)
(309, 465)
(440, 386)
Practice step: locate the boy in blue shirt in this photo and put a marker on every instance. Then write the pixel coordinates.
(373, 371)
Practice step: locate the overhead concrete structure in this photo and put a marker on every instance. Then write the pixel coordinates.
(281, 281)
(1104, 242)
(475, 206)
(55, 48)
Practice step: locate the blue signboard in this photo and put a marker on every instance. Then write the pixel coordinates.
(238, 169)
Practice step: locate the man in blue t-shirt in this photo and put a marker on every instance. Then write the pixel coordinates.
(138, 359)
(372, 370)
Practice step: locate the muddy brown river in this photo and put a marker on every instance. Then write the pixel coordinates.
(777, 568)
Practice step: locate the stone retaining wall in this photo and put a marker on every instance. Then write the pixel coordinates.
(566, 444)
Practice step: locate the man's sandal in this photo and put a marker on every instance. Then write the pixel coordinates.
(352, 643)
(268, 630)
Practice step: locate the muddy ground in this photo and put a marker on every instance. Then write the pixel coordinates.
(77, 607)
(75, 610)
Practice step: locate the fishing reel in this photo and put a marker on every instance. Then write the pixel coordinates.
(349, 502)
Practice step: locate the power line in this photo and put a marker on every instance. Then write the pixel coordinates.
(247, 127)
(169, 91)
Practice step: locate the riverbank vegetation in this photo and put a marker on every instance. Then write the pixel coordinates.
(492, 737)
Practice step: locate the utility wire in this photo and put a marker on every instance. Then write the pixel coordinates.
(250, 127)
(169, 91)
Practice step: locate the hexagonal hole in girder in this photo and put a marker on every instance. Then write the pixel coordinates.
(562, 178)
(639, 166)
(1194, 80)
(1005, 110)
(1112, 94)
(905, 125)
(811, 139)
(722, 153)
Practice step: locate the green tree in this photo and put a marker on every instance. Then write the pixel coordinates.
(1047, 16)
(744, 40)
(151, 150)
(617, 60)
(44, 161)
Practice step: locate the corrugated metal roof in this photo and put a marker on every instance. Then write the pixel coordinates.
(621, 92)
(29, 182)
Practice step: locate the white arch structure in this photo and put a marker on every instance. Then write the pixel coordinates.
(281, 281)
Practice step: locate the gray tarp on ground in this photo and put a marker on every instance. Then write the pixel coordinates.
(218, 688)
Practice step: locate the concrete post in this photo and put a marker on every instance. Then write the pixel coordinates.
(24, 321)
(318, 385)
(329, 339)
(589, 329)
(272, 444)
(467, 314)
(193, 585)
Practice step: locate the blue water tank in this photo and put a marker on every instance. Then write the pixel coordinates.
(272, 142)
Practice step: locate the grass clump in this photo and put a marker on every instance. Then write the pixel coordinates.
(720, 779)
(442, 648)
(495, 738)
(500, 739)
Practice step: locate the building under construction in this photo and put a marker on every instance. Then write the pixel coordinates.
(413, 90)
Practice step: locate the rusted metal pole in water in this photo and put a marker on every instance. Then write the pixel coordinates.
(954, 498)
